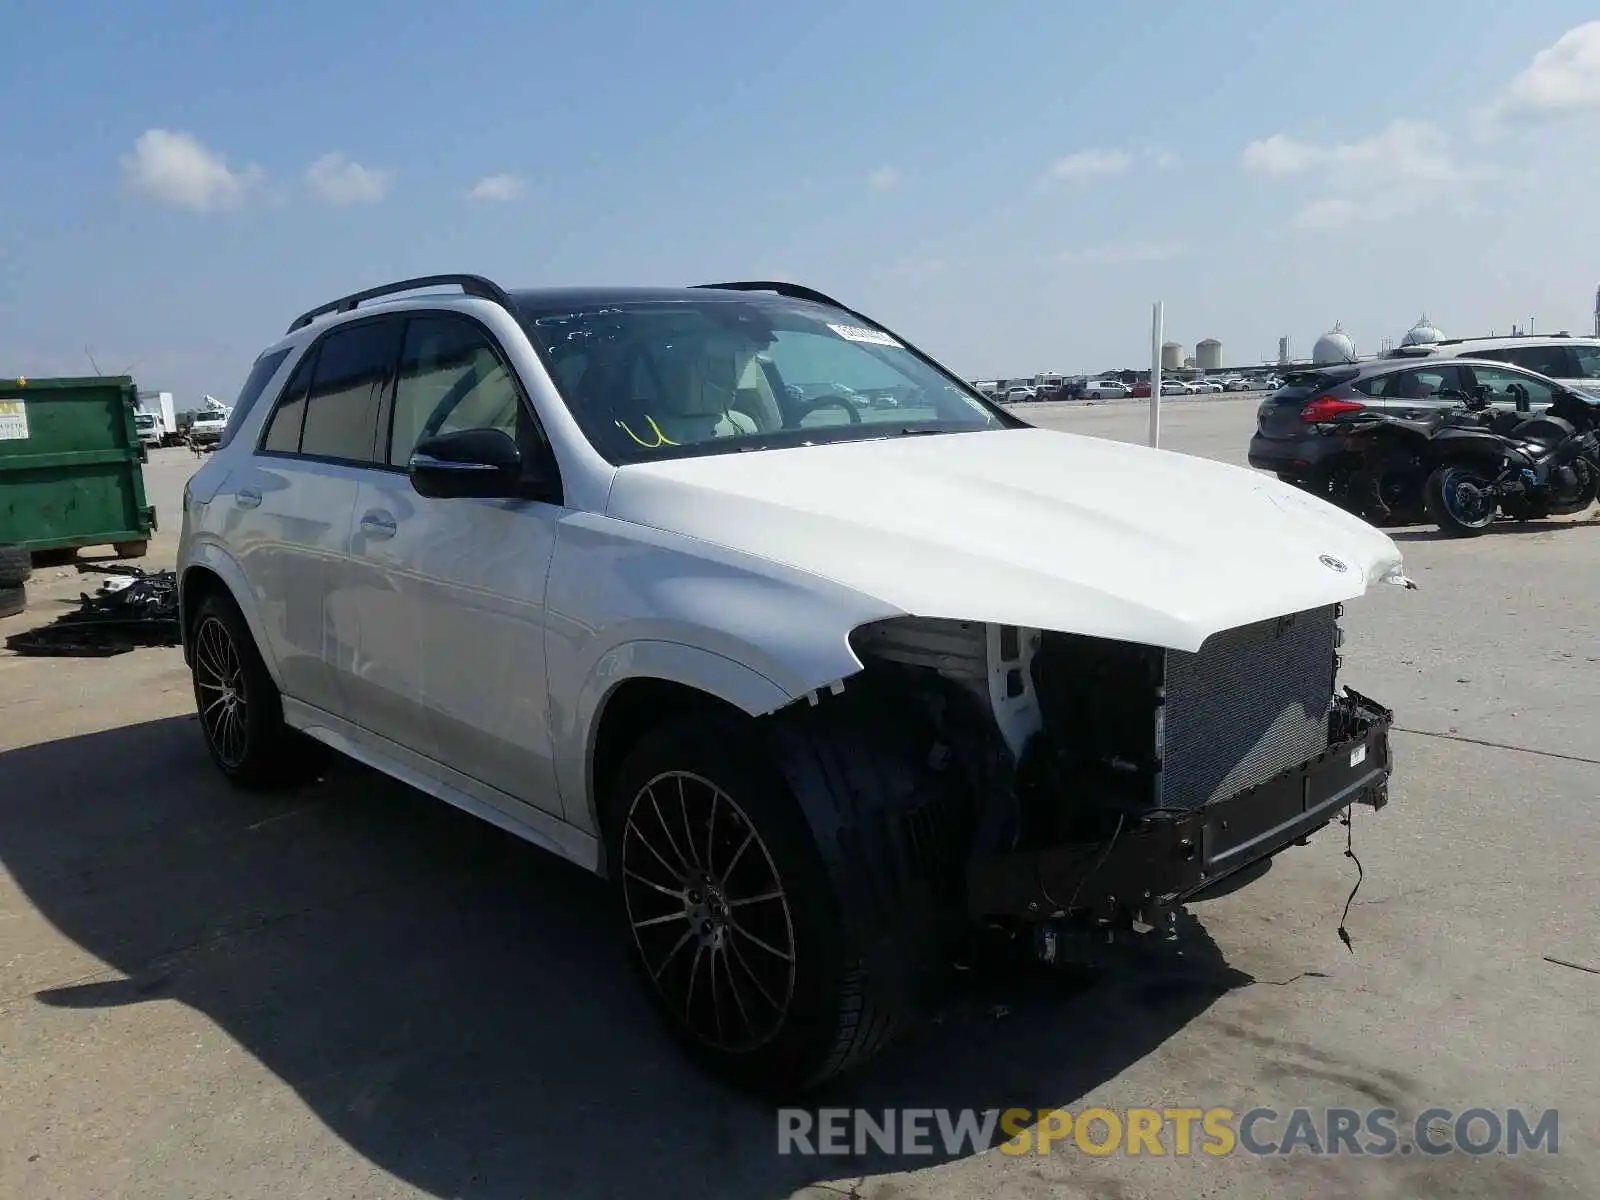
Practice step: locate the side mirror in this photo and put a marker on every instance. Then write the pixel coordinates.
(477, 463)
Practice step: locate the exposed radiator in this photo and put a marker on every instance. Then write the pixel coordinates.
(1252, 702)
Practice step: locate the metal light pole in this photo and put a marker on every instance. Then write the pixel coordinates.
(1156, 316)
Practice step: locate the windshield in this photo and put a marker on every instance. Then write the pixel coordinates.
(657, 379)
(143, 420)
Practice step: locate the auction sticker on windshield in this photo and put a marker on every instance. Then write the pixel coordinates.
(13, 421)
(873, 337)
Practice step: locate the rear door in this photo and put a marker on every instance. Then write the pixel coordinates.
(300, 489)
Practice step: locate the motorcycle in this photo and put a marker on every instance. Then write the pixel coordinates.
(1528, 469)
(1382, 478)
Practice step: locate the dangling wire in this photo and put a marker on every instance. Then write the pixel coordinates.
(661, 438)
(1350, 853)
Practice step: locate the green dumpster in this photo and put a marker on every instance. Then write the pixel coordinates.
(69, 465)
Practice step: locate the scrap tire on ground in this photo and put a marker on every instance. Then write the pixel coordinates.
(13, 600)
(861, 916)
(16, 564)
(259, 750)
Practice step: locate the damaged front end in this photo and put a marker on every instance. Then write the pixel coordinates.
(1113, 782)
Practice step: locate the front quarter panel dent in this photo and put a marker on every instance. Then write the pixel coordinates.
(673, 662)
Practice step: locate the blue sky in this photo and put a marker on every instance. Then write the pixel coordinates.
(1008, 184)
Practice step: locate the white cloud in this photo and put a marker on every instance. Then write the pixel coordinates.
(1413, 150)
(1086, 163)
(1279, 155)
(885, 179)
(1130, 252)
(1334, 213)
(1563, 79)
(175, 168)
(1405, 168)
(1164, 160)
(498, 187)
(334, 179)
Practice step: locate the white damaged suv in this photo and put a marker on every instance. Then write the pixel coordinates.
(816, 686)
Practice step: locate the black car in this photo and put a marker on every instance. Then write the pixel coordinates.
(1303, 429)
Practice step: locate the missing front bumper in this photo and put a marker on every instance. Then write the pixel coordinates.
(1153, 865)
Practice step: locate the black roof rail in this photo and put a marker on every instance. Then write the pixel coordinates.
(795, 291)
(470, 285)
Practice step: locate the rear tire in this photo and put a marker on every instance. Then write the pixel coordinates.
(782, 914)
(131, 549)
(1454, 495)
(13, 600)
(16, 565)
(240, 708)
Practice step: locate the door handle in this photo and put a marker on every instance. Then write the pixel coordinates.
(378, 525)
(247, 498)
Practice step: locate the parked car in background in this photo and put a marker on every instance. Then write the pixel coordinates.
(1304, 429)
(1173, 387)
(1236, 383)
(577, 562)
(1020, 395)
(1206, 385)
(1105, 389)
(1571, 361)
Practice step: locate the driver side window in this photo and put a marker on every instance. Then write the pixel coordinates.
(450, 379)
(1504, 385)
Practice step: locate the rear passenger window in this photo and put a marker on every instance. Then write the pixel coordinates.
(283, 428)
(353, 366)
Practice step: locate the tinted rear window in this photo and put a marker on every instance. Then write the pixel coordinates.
(341, 417)
(260, 375)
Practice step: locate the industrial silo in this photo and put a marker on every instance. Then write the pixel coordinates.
(1208, 355)
(1171, 356)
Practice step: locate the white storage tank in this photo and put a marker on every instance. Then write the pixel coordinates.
(1208, 354)
(1334, 346)
(1423, 333)
(1171, 356)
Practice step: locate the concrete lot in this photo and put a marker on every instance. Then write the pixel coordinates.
(356, 991)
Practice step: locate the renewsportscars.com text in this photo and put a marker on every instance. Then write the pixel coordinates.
(1167, 1131)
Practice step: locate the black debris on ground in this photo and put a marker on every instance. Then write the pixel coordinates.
(133, 608)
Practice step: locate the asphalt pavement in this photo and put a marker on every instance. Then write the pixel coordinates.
(355, 991)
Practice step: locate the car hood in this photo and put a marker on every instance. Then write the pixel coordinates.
(1029, 527)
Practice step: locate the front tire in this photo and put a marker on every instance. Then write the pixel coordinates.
(240, 708)
(1459, 501)
(736, 923)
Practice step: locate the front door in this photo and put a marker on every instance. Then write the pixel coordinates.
(451, 655)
